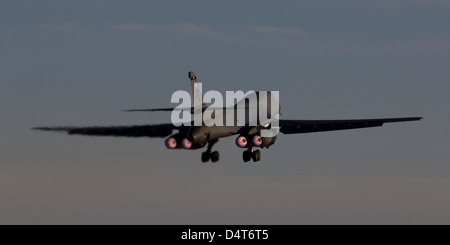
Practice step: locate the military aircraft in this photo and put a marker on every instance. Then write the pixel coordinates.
(249, 136)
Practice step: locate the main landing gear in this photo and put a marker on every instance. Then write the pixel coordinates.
(251, 155)
(208, 155)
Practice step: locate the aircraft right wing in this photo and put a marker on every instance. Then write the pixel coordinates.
(310, 126)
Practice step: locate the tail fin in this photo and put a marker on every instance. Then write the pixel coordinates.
(196, 88)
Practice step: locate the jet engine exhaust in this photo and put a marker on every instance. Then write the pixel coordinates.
(241, 141)
(187, 144)
(257, 140)
(171, 143)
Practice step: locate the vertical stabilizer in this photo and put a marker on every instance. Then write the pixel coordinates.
(196, 88)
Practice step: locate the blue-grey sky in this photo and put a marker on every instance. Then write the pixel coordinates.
(79, 63)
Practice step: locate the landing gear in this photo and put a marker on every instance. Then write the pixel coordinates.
(208, 155)
(256, 156)
(215, 156)
(251, 155)
(247, 156)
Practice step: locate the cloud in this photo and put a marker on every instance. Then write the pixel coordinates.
(187, 28)
(131, 27)
(277, 30)
(445, 3)
(285, 35)
(64, 26)
(196, 30)
(431, 47)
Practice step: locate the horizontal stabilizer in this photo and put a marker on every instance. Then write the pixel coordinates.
(153, 110)
(189, 109)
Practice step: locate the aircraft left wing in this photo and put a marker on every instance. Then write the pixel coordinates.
(310, 126)
(161, 130)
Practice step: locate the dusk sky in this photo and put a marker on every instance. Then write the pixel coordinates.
(80, 63)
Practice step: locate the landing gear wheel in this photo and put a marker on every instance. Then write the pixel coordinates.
(206, 156)
(247, 156)
(256, 156)
(215, 156)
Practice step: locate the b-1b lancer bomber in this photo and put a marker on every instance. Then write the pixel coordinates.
(253, 118)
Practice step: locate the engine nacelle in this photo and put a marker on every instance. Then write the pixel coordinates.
(246, 141)
(263, 141)
(188, 145)
(179, 141)
(174, 142)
